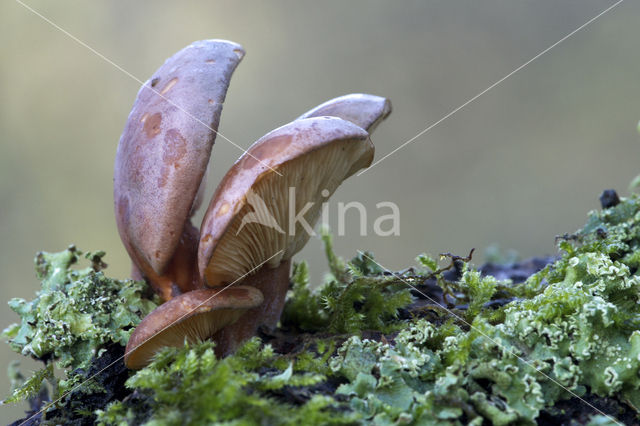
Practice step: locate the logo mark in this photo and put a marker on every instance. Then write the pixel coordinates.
(259, 215)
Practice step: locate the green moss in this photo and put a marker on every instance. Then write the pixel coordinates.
(190, 386)
(355, 296)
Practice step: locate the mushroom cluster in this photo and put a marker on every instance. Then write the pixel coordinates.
(229, 277)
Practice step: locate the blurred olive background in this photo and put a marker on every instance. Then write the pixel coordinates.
(522, 163)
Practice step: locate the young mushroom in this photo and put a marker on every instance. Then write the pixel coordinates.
(191, 317)
(301, 165)
(162, 158)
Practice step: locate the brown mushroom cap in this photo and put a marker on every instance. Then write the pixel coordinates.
(165, 147)
(192, 317)
(366, 111)
(313, 156)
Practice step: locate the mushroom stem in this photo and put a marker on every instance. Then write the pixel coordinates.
(182, 268)
(274, 284)
(181, 274)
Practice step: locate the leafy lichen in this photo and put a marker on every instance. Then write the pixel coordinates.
(580, 332)
(74, 316)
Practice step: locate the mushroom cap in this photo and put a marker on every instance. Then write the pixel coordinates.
(248, 220)
(165, 147)
(366, 111)
(194, 316)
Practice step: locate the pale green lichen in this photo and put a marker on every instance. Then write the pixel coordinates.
(579, 333)
(75, 315)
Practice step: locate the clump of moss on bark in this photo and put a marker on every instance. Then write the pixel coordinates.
(191, 386)
(428, 345)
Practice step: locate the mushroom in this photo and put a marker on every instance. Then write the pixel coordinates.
(161, 160)
(366, 111)
(190, 317)
(248, 233)
(255, 214)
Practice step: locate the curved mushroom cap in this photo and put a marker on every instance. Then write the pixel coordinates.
(165, 147)
(252, 216)
(193, 316)
(366, 111)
